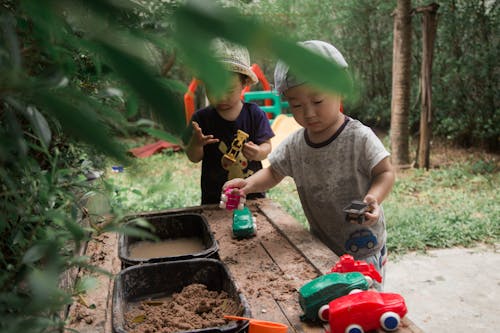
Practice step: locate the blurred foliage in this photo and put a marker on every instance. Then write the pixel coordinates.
(465, 69)
(76, 76)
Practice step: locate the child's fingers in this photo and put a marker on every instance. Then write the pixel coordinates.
(236, 183)
(209, 139)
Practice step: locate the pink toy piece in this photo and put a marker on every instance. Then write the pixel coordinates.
(347, 264)
(230, 200)
(365, 311)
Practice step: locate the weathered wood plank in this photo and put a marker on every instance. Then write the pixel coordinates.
(92, 312)
(320, 256)
(268, 268)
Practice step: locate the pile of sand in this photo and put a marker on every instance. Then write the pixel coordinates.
(195, 307)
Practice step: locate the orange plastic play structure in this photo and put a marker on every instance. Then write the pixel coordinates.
(189, 106)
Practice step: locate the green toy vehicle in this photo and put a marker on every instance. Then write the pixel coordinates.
(243, 223)
(319, 292)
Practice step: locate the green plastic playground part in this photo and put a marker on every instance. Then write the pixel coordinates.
(324, 289)
(243, 223)
(275, 109)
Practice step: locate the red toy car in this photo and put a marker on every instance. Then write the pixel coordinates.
(230, 200)
(364, 311)
(347, 264)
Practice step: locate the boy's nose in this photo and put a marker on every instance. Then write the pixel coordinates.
(308, 111)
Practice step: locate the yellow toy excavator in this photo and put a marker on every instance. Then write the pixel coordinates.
(236, 146)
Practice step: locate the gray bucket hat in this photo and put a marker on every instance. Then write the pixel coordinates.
(235, 58)
(284, 80)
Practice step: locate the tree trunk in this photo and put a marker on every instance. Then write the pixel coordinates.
(429, 27)
(401, 65)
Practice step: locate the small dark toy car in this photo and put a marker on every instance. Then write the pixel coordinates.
(355, 211)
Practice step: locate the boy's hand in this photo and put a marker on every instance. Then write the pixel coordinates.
(238, 184)
(373, 214)
(251, 151)
(199, 138)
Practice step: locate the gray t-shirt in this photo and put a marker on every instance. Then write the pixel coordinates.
(328, 177)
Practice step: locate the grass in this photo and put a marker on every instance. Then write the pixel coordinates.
(454, 205)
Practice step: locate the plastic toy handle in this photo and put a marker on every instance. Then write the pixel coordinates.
(236, 318)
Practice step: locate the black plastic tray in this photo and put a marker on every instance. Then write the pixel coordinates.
(163, 279)
(172, 226)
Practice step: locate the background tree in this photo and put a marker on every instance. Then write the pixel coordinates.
(429, 26)
(401, 81)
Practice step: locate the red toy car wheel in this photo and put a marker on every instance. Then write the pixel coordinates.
(323, 312)
(389, 321)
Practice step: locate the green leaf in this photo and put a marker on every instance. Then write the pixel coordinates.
(202, 20)
(40, 125)
(162, 135)
(80, 124)
(75, 229)
(132, 231)
(34, 253)
(132, 106)
(139, 76)
(84, 284)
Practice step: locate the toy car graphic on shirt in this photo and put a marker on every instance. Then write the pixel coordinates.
(231, 199)
(364, 311)
(347, 264)
(361, 239)
(243, 223)
(355, 211)
(319, 292)
(236, 146)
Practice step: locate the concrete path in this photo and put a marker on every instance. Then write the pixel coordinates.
(450, 290)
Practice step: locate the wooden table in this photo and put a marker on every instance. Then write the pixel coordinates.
(268, 268)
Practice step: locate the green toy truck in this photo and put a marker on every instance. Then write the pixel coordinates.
(319, 292)
(243, 223)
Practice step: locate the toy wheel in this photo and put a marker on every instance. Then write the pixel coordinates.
(323, 312)
(390, 321)
(354, 328)
(354, 248)
(370, 245)
(369, 280)
(355, 291)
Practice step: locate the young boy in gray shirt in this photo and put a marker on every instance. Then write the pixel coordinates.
(333, 160)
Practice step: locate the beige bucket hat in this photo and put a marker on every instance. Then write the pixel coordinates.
(235, 58)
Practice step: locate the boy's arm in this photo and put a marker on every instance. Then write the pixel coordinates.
(383, 179)
(260, 181)
(194, 150)
(256, 152)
